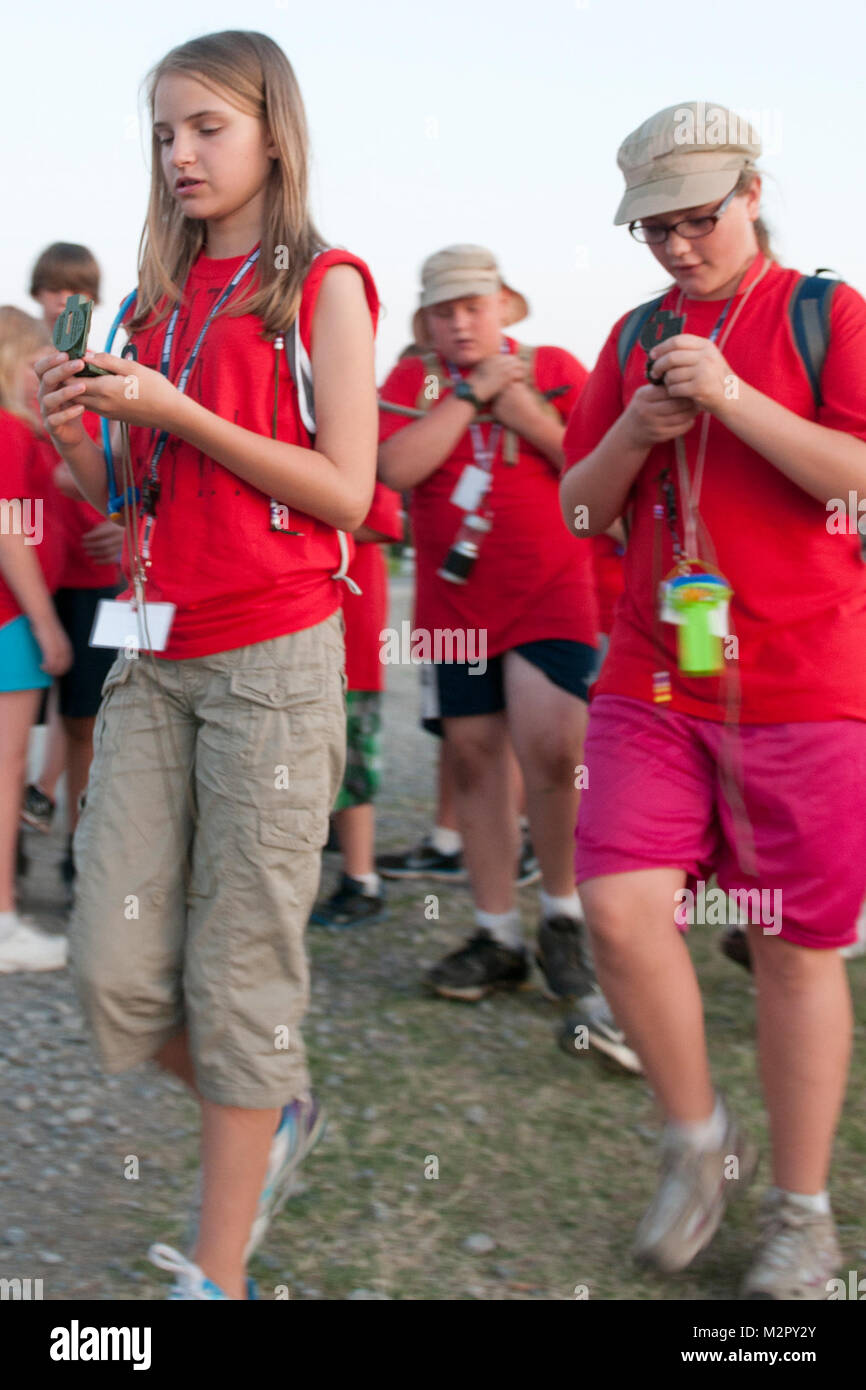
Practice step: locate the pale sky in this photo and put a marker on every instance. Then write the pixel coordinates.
(490, 122)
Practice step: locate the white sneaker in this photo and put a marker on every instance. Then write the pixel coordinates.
(26, 948)
(694, 1188)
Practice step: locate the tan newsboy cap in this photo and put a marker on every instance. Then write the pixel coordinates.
(457, 272)
(684, 156)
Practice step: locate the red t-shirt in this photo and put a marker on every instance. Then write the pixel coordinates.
(77, 518)
(607, 561)
(27, 461)
(799, 605)
(366, 613)
(532, 579)
(233, 579)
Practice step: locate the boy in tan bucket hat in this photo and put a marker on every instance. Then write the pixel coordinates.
(460, 272)
(496, 571)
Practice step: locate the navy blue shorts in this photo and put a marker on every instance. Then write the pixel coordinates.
(453, 689)
(81, 686)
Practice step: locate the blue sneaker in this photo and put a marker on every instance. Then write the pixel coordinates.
(301, 1126)
(190, 1282)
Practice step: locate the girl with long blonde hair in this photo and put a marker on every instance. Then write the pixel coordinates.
(219, 750)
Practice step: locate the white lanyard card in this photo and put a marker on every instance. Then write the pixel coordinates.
(122, 623)
(471, 487)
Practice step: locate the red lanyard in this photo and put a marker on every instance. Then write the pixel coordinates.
(691, 492)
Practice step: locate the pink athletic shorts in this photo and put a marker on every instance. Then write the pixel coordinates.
(775, 807)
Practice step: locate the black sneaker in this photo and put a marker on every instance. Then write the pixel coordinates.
(563, 956)
(422, 862)
(349, 906)
(735, 945)
(528, 867)
(37, 809)
(478, 968)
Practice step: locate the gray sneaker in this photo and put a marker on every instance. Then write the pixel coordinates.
(692, 1194)
(798, 1255)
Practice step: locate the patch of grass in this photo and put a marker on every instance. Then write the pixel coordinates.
(557, 1170)
(551, 1156)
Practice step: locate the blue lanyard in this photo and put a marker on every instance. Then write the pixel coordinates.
(116, 501)
(484, 454)
(151, 487)
(721, 319)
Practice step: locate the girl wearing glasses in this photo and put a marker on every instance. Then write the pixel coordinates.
(728, 739)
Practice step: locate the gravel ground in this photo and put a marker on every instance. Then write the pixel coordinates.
(544, 1163)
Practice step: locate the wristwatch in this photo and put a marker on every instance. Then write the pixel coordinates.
(464, 391)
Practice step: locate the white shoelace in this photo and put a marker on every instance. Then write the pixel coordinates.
(787, 1244)
(186, 1273)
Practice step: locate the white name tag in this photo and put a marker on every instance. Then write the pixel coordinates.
(119, 623)
(471, 487)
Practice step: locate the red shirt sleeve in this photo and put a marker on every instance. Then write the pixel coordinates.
(401, 388)
(554, 368)
(385, 514)
(843, 380)
(599, 405)
(313, 283)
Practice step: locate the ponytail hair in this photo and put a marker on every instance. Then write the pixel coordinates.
(253, 73)
(762, 231)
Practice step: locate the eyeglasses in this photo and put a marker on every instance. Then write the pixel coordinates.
(693, 228)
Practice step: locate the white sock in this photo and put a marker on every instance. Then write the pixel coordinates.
(523, 822)
(817, 1201)
(705, 1134)
(8, 923)
(446, 841)
(372, 884)
(561, 907)
(504, 926)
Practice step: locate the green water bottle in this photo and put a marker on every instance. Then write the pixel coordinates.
(697, 598)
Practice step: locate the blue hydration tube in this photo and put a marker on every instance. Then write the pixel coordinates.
(116, 501)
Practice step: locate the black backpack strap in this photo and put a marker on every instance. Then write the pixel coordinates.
(809, 312)
(628, 336)
(631, 329)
